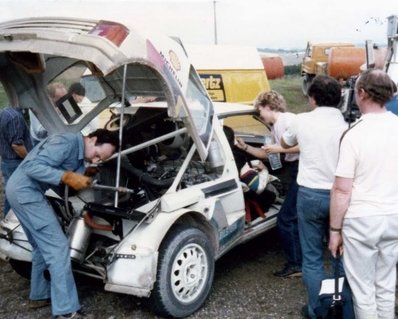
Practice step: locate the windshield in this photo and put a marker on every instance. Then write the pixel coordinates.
(85, 99)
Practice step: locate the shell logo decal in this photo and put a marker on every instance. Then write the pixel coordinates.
(175, 61)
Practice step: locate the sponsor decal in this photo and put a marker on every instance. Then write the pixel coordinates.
(227, 234)
(214, 86)
(175, 61)
(170, 68)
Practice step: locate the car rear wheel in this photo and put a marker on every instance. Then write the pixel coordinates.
(185, 272)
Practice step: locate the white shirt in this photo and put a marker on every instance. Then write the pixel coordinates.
(369, 155)
(318, 134)
(280, 126)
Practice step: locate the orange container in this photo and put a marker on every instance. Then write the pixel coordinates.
(345, 61)
(273, 67)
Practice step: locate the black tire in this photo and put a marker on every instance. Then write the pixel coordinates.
(22, 268)
(185, 272)
(307, 79)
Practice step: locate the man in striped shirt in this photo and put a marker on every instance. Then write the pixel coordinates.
(15, 143)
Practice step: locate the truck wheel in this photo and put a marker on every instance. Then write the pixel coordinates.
(185, 272)
(307, 79)
(22, 268)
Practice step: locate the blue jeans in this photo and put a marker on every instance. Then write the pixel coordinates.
(8, 166)
(313, 222)
(287, 221)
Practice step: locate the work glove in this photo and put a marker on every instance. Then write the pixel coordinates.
(75, 180)
(91, 171)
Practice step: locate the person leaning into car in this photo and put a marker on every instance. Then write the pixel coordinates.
(318, 134)
(58, 159)
(271, 107)
(364, 201)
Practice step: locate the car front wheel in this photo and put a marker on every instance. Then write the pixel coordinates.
(185, 272)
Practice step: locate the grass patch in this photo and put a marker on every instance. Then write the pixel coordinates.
(3, 98)
(290, 88)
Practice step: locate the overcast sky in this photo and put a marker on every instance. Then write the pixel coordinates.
(274, 24)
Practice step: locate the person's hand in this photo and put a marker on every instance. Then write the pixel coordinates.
(270, 149)
(241, 144)
(335, 243)
(75, 180)
(258, 165)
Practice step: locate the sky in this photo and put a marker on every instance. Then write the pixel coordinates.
(276, 24)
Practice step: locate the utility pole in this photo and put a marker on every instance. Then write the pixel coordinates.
(215, 22)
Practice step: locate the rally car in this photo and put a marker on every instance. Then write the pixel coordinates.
(169, 203)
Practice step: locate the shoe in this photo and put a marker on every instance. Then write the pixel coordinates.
(40, 303)
(304, 312)
(75, 315)
(289, 271)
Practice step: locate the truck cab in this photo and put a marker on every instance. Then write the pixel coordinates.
(391, 62)
(315, 60)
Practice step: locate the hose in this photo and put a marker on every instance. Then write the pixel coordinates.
(88, 219)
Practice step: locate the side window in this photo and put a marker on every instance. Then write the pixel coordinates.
(201, 111)
(75, 93)
(327, 51)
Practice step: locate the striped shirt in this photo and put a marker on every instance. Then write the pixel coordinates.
(13, 130)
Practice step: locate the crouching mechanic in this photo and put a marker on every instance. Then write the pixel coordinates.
(58, 159)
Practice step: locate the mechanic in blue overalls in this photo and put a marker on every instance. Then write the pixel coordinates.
(59, 158)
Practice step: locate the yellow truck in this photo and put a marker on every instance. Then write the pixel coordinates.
(339, 60)
(229, 73)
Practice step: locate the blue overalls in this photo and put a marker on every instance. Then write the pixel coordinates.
(43, 167)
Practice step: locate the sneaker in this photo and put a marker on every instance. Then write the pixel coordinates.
(40, 303)
(289, 271)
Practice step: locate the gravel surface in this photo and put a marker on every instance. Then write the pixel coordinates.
(243, 287)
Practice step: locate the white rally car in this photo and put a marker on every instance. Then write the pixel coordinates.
(170, 202)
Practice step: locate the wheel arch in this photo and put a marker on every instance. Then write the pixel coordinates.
(199, 221)
(154, 233)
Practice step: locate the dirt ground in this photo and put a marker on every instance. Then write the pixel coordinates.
(243, 287)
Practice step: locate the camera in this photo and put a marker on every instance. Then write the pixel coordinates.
(348, 105)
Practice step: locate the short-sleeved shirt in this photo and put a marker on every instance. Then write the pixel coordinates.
(13, 130)
(369, 155)
(318, 135)
(280, 126)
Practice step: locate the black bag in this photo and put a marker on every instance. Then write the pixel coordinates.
(336, 304)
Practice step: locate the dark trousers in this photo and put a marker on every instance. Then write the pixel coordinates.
(287, 220)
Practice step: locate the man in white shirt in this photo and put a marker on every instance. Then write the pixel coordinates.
(364, 201)
(318, 134)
